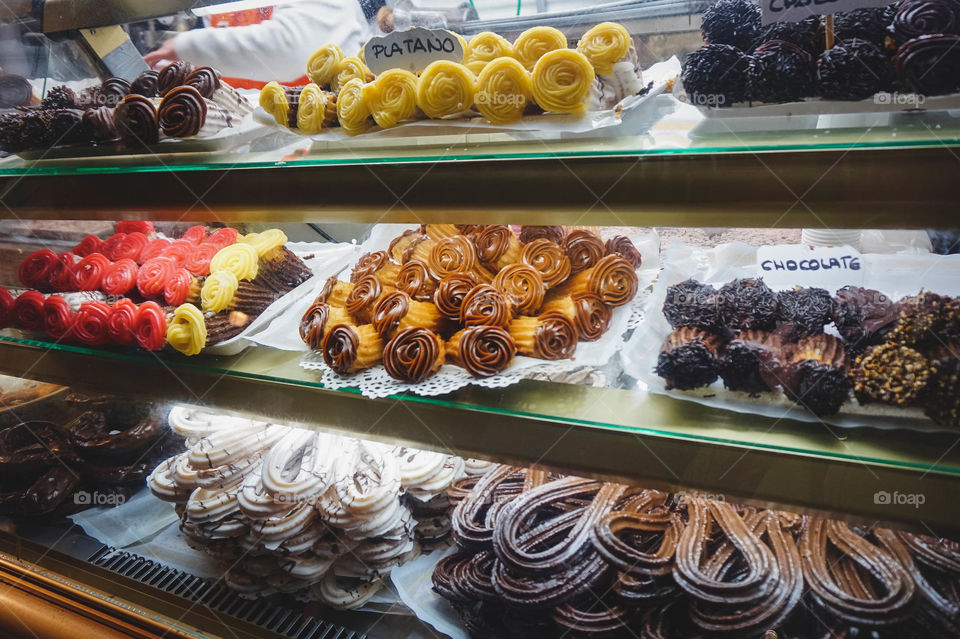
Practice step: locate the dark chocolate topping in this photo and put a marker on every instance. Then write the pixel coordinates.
(136, 119)
(780, 72)
(15, 90)
(412, 354)
(183, 112)
(733, 22)
(113, 91)
(930, 64)
(145, 84)
(206, 80)
(853, 70)
(716, 75)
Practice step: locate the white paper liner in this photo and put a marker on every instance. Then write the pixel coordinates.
(375, 383)
(136, 521)
(326, 256)
(881, 102)
(631, 107)
(414, 584)
(895, 275)
(150, 528)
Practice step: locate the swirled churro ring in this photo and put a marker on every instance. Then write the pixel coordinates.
(187, 330)
(484, 305)
(324, 65)
(313, 323)
(315, 110)
(273, 100)
(348, 349)
(389, 312)
(363, 299)
(534, 43)
(550, 336)
(351, 68)
(219, 290)
(548, 259)
(604, 45)
(613, 279)
(367, 264)
(562, 81)
(392, 97)
(445, 89)
(451, 291)
(583, 248)
(182, 112)
(482, 350)
(503, 91)
(452, 255)
(415, 280)
(497, 247)
(522, 286)
(352, 110)
(625, 248)
(240, 259)
(487, 46)
(413, 355)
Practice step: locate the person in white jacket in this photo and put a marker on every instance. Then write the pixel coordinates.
(276, 49)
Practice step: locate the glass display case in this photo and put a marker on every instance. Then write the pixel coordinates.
(634, 319)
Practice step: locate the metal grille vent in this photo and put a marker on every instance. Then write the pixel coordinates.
(269, 613)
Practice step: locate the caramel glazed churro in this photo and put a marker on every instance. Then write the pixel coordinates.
(543, 555)
(292, 510)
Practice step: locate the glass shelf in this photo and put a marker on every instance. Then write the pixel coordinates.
(617, 432)
(677, 129)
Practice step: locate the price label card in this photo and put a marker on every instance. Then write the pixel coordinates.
(785, 266)
(797, 10)
(412, 50)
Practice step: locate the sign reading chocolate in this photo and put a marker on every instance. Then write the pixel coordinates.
(797, 10)
(790, 265)
(412, 50)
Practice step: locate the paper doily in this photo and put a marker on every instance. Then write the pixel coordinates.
(375, 383)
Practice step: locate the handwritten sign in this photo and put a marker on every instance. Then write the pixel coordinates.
(797, 10)
(412, 50)
(789, 265)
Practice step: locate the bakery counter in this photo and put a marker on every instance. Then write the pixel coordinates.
(612, 430)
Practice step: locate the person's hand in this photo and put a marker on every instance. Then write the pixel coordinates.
(165, 53)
